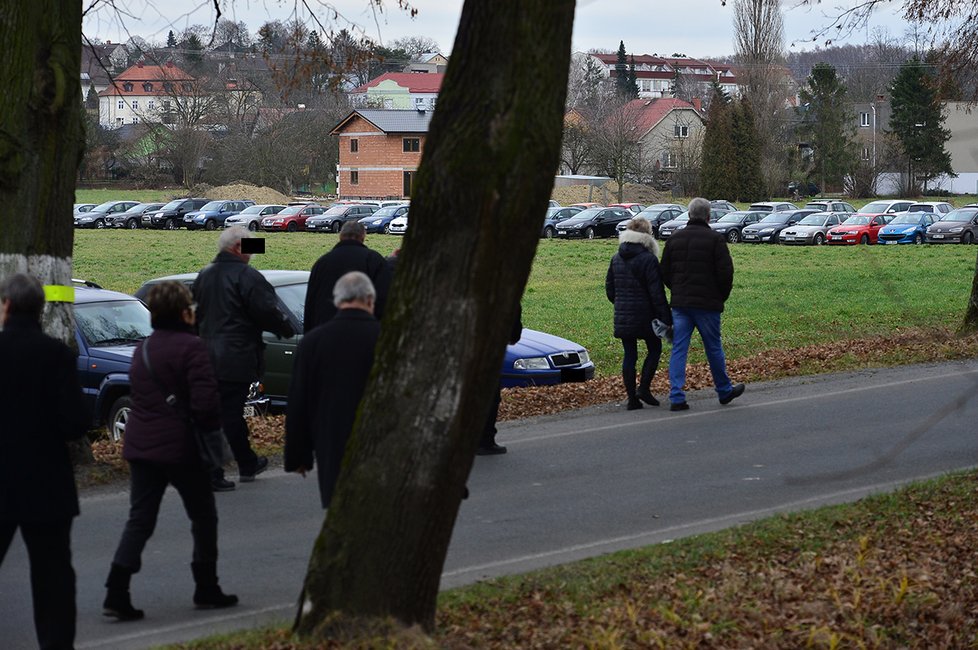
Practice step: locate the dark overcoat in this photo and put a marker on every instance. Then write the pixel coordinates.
(634, 285)
(697, 268)
(331, 369)
(348, 255)
(42, 405)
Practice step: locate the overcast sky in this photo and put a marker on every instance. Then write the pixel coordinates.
(698, 28)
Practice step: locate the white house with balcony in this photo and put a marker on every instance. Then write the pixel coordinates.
(143, 93)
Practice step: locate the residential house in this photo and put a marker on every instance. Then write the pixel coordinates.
(669, 132)
(144, 92)
(963, 147)
(99, 62)
(399, 91)
(657, 75)
(430, 62)
(379, 152)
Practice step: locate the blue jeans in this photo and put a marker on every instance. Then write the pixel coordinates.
(708, 324)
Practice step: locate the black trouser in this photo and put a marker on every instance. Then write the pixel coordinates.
(489, 432)
(233, 396)
(630, 345)
(147, 483)
(52, 578)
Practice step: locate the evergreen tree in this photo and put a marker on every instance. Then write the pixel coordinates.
(632, 79)
(91, 99)
(171, 40)
(918, 123)
(718, 178)
(827, 126)
(622, 79)
(313, 42)
(747, 148)
(194, 48)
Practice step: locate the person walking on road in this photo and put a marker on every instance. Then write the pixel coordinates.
(634, 285)
(350, 254)
(697, 268)
(43, 409)
(161, 448)
(235, 304)
(332, 366)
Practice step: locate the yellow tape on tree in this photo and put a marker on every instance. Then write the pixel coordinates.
(59, 293)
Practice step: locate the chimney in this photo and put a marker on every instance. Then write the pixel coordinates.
(698, 104)
(139, 63)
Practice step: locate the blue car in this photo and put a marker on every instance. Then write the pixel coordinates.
(541, 359)
(212, 215)
(906, 228)
(380, 221)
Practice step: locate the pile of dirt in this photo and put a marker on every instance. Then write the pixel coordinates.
(608, 193)
(257, 194)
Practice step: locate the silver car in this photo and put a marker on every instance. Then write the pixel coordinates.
(251, 216)
(812, 229)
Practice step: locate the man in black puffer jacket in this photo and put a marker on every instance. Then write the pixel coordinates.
(697, 268)
(235, 304)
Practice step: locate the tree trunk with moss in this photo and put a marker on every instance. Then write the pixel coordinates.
(970, 324)
(41, 145)
(478, 201)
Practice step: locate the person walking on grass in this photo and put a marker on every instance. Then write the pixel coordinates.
(634, 285)
(697, 268)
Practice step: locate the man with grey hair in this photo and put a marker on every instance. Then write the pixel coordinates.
(331, 369)
(349, 254)
(697, 268)
(235, 304)
(43, 409)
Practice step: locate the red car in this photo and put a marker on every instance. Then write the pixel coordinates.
(858, 229)
(634, 208)
(292, 218)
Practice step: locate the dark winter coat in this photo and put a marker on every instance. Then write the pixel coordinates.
(348, 255)
(235, 304)
(42, 405)
(331, 369)
(157, 432)
(634, 285)
(697, 268)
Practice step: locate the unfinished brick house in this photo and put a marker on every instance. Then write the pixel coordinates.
(380, 151)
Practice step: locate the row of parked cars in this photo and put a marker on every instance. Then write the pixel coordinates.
(109, 324)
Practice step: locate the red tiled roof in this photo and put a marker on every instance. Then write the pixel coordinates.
(415, 82)
(649, 112)
(139, 74)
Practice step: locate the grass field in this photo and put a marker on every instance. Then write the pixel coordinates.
(783, 297)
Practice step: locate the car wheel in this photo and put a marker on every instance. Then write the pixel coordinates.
(170, 224)
(818, 239)
(387, 229)
(864, 240)
(132, 224)
(118, 417)
(589, 233)
(336, 226)
(99, 223)
(549, 232)
(253, 226)
(292, 227)
(733, 236)
(968, 238)
(918, 238)
(210, 224)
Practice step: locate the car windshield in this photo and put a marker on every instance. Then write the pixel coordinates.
(775, 217)
(589, 213)
(253, 209)
(814, 220)
(389, 211)
(336, 210)
(817, 206)
(964, 214)
(731, 217)
(117, 322)
(651, 214)
(139, 207)
(876, 207)
(289, 211)
(213, 205)
(921, 207)
(906, 219)
(294, 297)
(856, 220)
(683, 216)
(103, 207)
(173, 205)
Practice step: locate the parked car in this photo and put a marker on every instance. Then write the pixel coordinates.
(668, 228)
(727, 206)
(334, 218)
(251, 216)
(293, 218)
(593, 222)
(769, 228)
(858, 229)
(131, 218)
(78, 208)
(211, 215)
(98, 216)
(657, 215)
(812, 229)
(380, 221)
(830, 206)
(802, 188)
(108, 325)
(772, 206)
(634, 208)
(170, 216)
(398, 225)
(886, 206)
(586, 205)
(552, 203)
(935, 207)
(906, 228)
(957, 226)
(554, 216)
(541, 359)
(732, 224)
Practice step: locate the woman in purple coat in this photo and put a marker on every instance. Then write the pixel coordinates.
(162, 450)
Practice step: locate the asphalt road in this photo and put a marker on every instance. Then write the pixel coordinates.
(579, 485)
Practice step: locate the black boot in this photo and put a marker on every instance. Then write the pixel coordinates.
(208, 594)
(117, 603)
(628, 378)
(644, 382)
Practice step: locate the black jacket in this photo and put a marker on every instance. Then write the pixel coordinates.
(696, 266)
(634, 285)
(332, 366)
(235, 304)
(42, 406)
(348, 255)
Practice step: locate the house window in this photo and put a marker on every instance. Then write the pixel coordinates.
(135, 120)
(135, 104)
(669, 160)
(121, 105)
(354, 145)
(681, 131)
(166, 104)
(354, 178)
(127, 87)
(148, 87)
(408, 180)
(412, 144)
(150, 105)
(167, 86)
(865, 153)
(187, 88)
(864, 119)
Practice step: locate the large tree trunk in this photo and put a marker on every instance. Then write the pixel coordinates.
(970, 324)
(41, 144)
(479, 198)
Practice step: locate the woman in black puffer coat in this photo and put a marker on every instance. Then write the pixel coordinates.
(634, 286)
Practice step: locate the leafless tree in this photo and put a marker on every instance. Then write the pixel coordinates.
(415, 46)
(615, 147)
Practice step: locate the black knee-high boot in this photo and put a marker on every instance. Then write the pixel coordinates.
(628, 378)
(117, 602)
(208, 594)
(644, 382)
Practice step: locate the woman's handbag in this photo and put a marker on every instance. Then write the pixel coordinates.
(212, 446)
